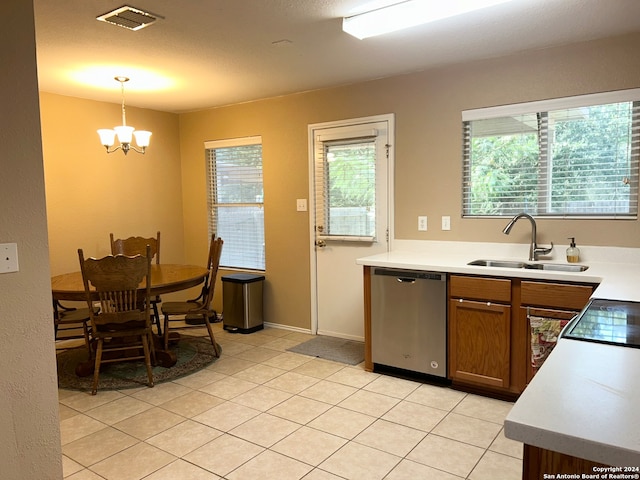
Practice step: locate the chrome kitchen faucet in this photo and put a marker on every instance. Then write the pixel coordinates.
(534, 250)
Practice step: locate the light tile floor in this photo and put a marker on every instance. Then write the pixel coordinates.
(261, 412)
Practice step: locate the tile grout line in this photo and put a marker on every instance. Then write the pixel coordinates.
(330, 405)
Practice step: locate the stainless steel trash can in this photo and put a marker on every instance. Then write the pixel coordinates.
(242, 302)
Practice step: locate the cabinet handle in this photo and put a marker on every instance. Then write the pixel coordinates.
(460, 300)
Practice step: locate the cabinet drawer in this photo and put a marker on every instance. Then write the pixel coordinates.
(477, 288)
(555, 295)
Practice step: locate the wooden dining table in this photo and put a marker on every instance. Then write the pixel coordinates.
(165, 278)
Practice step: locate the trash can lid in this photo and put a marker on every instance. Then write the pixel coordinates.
(242, 278)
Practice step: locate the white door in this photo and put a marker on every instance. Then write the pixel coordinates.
(350, 191)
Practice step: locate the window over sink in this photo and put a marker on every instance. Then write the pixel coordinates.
(573, 157)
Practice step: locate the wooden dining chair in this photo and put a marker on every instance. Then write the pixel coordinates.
(123, 325)
(137, 246)
(200, 306)
(71, 323)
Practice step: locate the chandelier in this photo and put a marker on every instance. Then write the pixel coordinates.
(124, 132)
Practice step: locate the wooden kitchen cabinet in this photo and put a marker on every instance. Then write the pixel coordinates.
(489, 344)
(489, 331)
(549, 300)
(524, 314)
(480, 331)
(555, 295)
(479, 342)
(538, 461)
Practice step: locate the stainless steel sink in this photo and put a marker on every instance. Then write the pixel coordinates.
(498, 263)
(558, 267)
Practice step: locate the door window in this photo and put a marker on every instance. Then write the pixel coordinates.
(346, 161)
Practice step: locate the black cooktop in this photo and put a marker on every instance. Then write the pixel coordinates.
(607, 321)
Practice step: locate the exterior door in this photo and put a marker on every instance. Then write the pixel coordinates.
(350, 191)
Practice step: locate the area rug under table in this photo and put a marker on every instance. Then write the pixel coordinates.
(193, 354)
(332, 348)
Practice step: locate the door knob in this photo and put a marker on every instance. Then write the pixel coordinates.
(321, 243)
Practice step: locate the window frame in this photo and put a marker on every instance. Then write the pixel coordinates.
(213, 218)
(542, 108)
(339, 137)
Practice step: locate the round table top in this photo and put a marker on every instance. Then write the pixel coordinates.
(165, 278)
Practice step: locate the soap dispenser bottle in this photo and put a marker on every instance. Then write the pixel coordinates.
(573, 252)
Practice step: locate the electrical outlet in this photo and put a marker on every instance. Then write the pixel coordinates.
(8, 257)
(446, 222)
(301, 204)
(422, 223)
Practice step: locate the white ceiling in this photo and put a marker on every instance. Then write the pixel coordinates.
(207, 53)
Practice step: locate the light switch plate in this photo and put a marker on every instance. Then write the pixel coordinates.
(8, 257)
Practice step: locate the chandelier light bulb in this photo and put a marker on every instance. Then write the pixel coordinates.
(124, 132)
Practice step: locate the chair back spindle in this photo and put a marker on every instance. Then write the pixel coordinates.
(124, 314)
(138, 246)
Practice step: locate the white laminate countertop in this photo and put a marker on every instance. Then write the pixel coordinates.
(616, 270)
(585, 400)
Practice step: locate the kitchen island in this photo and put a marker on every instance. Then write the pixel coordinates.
(583, 403)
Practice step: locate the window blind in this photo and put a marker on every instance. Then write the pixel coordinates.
(345, 176)
(236, 200)
(575, 161)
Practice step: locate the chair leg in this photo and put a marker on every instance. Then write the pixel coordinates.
(166, 332)
(96, 369)
(87, 339)
(152, 348)
(147, 357)
(210, 330)
(156, 318)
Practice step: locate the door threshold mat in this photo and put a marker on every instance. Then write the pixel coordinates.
(332, 348)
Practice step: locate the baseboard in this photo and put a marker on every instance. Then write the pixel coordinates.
(287, 327)
(355, 338)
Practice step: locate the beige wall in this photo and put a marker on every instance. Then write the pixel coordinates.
(428, 154)
(29, 421)
(91, 193)
(427, 108)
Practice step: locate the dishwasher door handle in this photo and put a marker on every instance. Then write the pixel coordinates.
(406, 280)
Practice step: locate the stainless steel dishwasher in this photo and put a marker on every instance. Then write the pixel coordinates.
(409, 320)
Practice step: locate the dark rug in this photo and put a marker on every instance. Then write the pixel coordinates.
(332, 348)
(193, 354)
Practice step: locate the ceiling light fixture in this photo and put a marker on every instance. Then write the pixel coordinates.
(409, 14)
(124, 132)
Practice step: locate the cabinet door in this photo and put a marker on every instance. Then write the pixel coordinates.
(539, 461)
(479, 342)
(565, 315)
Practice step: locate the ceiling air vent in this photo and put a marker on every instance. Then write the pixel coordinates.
(129, 17)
